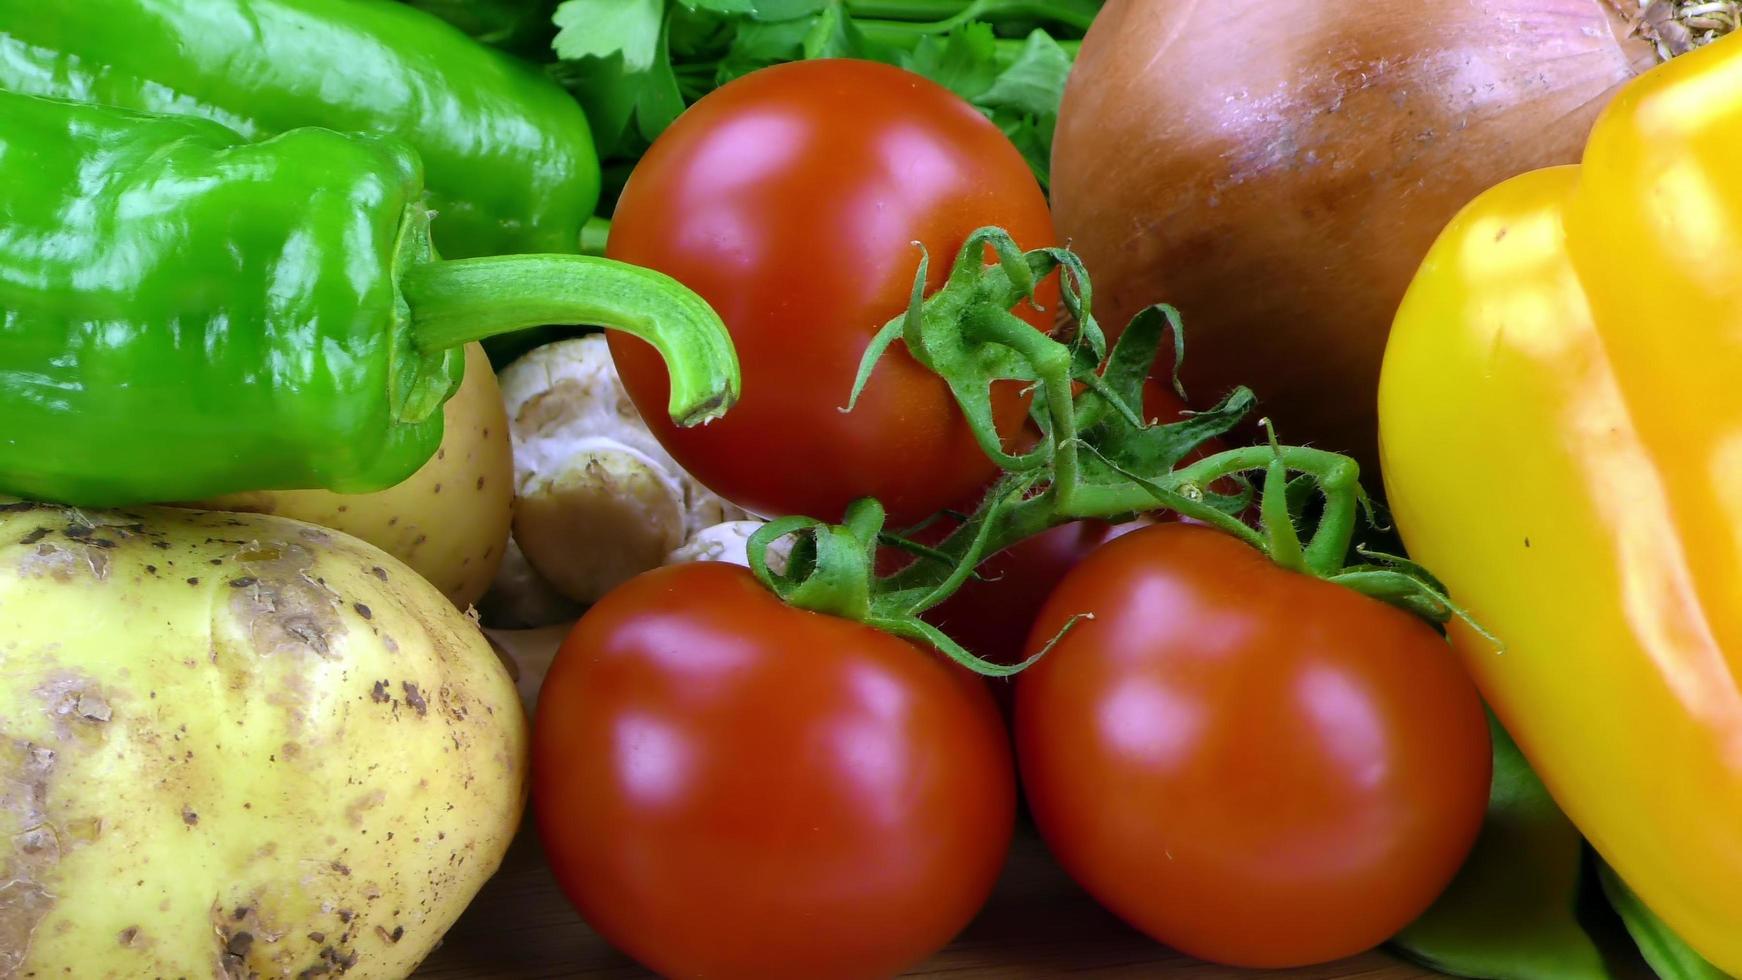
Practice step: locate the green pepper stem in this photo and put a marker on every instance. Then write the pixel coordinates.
(463, 300)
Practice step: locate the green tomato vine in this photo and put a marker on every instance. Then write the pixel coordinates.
(1097, 459)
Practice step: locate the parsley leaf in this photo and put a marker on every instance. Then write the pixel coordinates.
(601, 28)
(722, 6)
(1035, 84)
(965, 62)
(833, 35)
(635, 64)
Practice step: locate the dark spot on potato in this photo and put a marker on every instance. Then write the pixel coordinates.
(128, 935)
(194, 581)
(19, 507)
(395, 936)
(480, 483)
(34, 536)
(235, 956)
(24, 903)
(379, 694)
(62, 564)
(414, 697)
(78, 532)
(163, 545)
(379, 572)
(151, 569)
(189, 817)
(317, 937)
(215, 561)
(362, 610)
(438, 488)
(103, 543)
(281, 608)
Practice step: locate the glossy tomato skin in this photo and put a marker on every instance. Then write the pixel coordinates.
(790, 199)
(729, 787)
(1250, 765)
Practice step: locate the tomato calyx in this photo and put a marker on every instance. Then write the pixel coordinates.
(1097, 458)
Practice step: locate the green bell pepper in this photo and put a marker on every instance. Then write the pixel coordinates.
(185, 314)
(514, 25)
(509, 156)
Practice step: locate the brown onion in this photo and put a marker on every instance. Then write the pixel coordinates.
(1278, 170)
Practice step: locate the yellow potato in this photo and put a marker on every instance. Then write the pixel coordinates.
(450, 521)
(234, 745)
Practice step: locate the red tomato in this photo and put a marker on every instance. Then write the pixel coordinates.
(728, 787)
(790, 199)
(1250, 765)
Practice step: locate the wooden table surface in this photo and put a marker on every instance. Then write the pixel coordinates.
(1037, 924)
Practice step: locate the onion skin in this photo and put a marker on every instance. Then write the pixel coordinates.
(1278, 172)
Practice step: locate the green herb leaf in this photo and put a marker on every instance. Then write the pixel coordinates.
(661, 100)
(1034, 141)
(722, 6)
(833, 35)
(775, 10)
(759, 45)
(965, 62)
(607, 94)
(1035, 84)
(636, 64)
(601, 28)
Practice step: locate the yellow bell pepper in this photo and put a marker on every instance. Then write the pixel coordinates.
(1561, 429)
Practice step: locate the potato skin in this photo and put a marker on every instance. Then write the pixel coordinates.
(450, 520)
(235, 746)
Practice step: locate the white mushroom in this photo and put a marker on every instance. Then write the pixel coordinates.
(727, 542)
(598, 499)
(520, 598)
